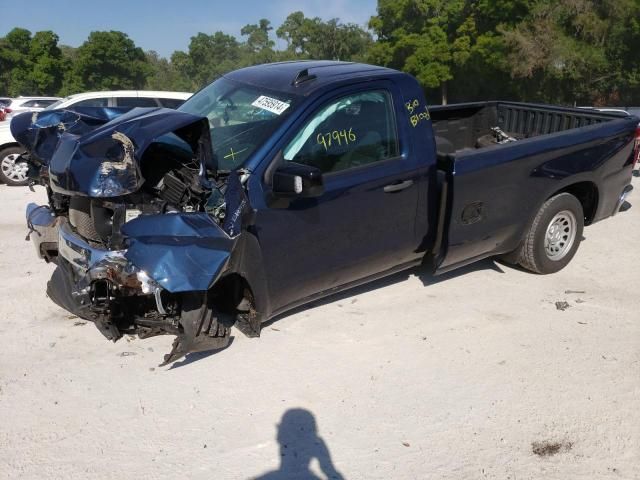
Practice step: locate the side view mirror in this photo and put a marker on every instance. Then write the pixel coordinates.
(297, 180)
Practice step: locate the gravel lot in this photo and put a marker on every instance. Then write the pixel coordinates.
(476, 374)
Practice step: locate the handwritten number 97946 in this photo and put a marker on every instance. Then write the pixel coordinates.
(336, 137)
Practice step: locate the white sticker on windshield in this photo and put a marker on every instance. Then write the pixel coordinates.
(270, 104)
(130, 214)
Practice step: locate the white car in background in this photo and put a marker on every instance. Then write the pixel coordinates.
(28, 104)
(14, 172)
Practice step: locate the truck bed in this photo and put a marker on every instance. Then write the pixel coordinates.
(469, 125)
(584, 152)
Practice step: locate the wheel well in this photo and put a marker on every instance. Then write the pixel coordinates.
(8, 145)
(587, 195)
(232, 296)
(228, 292)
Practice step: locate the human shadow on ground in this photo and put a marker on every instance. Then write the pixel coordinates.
(299, 445)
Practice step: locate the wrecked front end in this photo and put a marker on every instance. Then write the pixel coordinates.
(139, 224)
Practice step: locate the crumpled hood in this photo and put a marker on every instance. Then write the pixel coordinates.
(97, 152)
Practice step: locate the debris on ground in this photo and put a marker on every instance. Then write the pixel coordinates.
(77, 324)
(568, 292)
(547, 448)
(127, 354)
(562, 306)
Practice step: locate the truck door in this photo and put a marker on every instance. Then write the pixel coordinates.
(364, 222)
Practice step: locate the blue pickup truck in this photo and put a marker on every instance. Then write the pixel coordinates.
(282, 183)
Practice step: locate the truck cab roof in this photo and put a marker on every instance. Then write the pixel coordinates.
(307, 76)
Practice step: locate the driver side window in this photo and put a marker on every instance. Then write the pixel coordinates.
(353, 131)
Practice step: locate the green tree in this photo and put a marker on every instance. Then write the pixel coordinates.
(211, 56)
(427, 38)
(30, 65)
(580, 51)
(110, 61)
(15, 62)
(165, 74)
(258, 45)
(316, 39)
(47, 64)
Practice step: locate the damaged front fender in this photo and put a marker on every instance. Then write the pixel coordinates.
(181, 252)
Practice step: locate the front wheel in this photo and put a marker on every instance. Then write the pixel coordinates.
(554, 235)
(13, 170)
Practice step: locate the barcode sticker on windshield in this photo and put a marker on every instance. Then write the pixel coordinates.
(270, 104)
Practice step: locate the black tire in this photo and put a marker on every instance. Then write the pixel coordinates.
(7, 156)
(561, 219)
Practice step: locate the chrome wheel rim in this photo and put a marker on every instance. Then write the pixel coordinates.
(13, 169)
(560, 235)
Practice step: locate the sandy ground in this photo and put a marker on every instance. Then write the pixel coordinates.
(413, 377)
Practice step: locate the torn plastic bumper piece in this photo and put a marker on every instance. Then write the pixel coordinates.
(43, 230)
(202, 329)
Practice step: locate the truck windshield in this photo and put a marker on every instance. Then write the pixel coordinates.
(241, 118)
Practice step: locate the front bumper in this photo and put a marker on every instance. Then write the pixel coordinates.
(90, 275)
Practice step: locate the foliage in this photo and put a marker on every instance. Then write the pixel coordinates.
(259, 47)
(577, 51)
(332, 40)
(30, 64)
(572, 52)
(110, 61)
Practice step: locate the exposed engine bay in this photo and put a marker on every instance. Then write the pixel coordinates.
(139, 223)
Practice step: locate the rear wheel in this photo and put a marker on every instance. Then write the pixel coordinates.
(13, 171)
(554, 236)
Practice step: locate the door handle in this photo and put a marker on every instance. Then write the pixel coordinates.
(398, 186)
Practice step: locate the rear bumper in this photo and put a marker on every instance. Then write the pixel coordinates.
(623, 205)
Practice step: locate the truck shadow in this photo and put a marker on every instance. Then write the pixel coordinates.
(299, 444)
(421, 272)
(425, 277)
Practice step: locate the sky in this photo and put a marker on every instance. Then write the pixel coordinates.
(166, 25)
